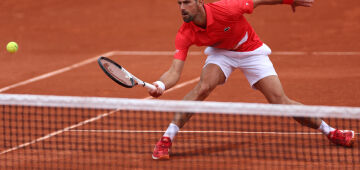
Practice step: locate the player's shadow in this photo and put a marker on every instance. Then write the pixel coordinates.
(209, 150)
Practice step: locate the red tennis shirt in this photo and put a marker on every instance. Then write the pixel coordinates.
(226, 28)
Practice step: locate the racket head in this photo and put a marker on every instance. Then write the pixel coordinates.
(116, 72)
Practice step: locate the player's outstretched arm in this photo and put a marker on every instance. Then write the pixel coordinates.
(293, 3)
(168, 79)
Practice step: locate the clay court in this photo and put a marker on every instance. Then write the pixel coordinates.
(316, 53)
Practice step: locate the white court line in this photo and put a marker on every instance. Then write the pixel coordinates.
(85, 122)
(320, 53)
(50, 74)
(159, 131)
(150, 53)
(336, 53)
(53, 73)
(58, 132)
(196, 131)
(289, 53)
(88, 120)
(88, 61)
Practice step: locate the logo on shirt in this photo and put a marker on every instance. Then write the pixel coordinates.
(227, 29)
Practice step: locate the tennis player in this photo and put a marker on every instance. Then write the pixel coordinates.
(232, 44)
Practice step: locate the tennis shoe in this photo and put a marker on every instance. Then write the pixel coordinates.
(162, 148)
(342, 137)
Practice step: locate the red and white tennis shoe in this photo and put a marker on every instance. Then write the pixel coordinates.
(342, 137)
(162, 148)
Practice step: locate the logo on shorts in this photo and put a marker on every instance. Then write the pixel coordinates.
(227, 29)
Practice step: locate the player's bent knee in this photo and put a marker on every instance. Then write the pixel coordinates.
(204, 89)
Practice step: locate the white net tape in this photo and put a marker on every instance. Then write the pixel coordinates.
(181, 106)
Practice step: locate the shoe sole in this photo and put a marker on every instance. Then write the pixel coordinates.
(165, 157)
(352, 141)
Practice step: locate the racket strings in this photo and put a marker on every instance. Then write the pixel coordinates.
(118, 73)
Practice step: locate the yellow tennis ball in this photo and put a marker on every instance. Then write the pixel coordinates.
(12, 47)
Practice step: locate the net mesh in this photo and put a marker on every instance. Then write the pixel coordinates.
(42, 132)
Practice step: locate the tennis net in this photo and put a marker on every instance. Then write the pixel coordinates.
(63, 132)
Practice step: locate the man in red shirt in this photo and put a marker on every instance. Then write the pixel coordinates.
(232, 44)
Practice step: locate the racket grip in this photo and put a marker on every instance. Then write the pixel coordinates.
(149, 86)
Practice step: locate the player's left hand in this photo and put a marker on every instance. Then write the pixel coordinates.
(157, 92)
(304, 3)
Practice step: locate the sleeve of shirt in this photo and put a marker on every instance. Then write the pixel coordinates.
(182, 45)
(238, 7)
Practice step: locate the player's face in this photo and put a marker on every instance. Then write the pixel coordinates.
(189, 9)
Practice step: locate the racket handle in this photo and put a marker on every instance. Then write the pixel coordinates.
(149, 86)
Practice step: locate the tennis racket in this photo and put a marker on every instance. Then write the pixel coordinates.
(120, 75)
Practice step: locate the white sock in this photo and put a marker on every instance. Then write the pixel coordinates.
(325, 128)
(171, 131)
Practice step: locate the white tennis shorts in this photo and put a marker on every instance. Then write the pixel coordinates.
(256, 64)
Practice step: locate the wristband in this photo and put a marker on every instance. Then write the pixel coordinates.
(160, 84)
(288, 2)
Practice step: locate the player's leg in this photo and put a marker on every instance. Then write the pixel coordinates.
(211, 76)
(272, 89)
(261, 75)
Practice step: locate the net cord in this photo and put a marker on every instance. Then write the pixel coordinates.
(181, 106)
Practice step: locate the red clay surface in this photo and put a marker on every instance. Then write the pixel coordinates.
(55, 34)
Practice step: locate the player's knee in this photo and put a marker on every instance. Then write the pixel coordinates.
(205, 89)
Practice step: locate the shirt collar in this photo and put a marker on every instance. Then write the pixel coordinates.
(209, 20)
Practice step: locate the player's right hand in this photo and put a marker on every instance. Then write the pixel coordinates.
(157, 92)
